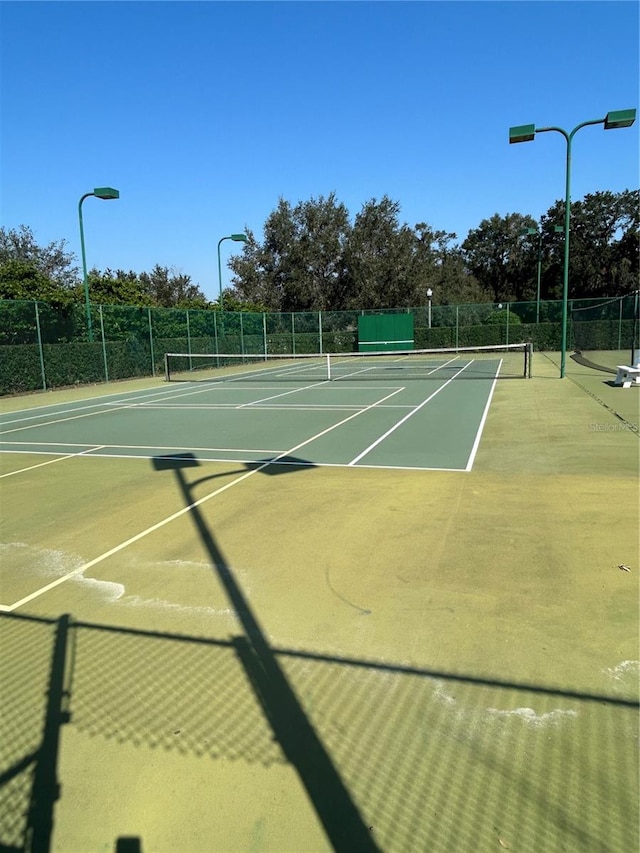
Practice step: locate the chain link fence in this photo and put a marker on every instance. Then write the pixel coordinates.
(43, 346)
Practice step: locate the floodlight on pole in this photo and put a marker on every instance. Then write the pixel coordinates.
(106, 193)
(238, 238)
(526, 133)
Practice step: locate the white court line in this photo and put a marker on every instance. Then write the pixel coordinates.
(291, 407)
(283, 394)
(244, 461)
(51, 461)
(372, 367)
(72, 407)
(72, 402)
(8, 608)
(63, 420)
(407, 416)
(476, 443)
(107, 408)
(104, 408)
(131, 447)
(302, 407)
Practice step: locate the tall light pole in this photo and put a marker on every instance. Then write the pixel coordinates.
(106, 193)
(239, 238)
(429, 295)
(527, 232)
(526, 133)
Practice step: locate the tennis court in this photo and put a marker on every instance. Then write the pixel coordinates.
(291, 606)
(399, 411)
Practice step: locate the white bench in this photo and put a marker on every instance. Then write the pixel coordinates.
(627, 376)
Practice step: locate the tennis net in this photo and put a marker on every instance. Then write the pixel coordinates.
(504, 361)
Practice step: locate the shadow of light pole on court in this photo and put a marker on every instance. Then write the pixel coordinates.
(301, 745)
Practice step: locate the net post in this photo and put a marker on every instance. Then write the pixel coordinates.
(528, 359)
(328, 366)
(166, 367)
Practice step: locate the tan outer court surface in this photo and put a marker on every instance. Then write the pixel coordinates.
(338, 658)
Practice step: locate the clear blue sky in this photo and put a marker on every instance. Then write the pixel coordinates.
(203, 114)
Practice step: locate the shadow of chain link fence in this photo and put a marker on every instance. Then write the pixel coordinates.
(435, 761)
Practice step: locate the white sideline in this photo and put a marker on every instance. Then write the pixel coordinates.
(476, 443)
(407, 416)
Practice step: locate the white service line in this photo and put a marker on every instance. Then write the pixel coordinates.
(64, 420)
(104, 409)
(283, 394)
(284, 407)
(8, 608)
(72, 407)
(407, 416)
(476, 443)
(51, 461)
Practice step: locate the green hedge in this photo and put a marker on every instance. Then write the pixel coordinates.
(20, 369)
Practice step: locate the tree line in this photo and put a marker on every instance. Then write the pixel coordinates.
(50, 274)
(314, 256)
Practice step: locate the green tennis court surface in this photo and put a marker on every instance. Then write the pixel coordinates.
(384, 612)
(433, 424)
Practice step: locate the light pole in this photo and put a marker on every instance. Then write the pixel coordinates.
(106, 193)
(239, 238)
(526, 133)
(429, 295)
(524, 233)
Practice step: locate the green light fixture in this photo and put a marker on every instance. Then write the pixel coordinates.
(106, 193)
(238, 238)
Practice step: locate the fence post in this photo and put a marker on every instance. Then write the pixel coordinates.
(189, 341)
(320, 329)
(570, 331)
(241, 335)
(457, 321)
(153, 358)
(264, 332)
(40, 350)
(104, 345)
(215, 331)
(507, 340)
(293, 333)
(620, 327)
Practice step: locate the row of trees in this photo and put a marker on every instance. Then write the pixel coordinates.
(314, 257)
(160, 287)
(50, 274)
